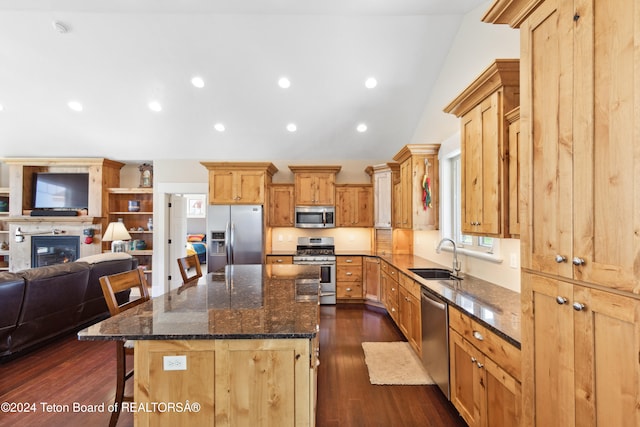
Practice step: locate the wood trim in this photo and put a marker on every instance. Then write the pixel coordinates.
(413, 149)
(501, 73)
(315, 169)
(512, 12)
(268, 167)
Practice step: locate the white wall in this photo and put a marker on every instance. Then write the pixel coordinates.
(476, 45)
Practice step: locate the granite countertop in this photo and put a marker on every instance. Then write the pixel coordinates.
(248, 302)
(492, 305)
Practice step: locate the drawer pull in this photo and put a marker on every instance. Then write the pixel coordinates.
(349, 273)
(477, 335)
(349, 260)
(348, 289)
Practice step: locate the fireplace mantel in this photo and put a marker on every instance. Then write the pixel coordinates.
(20, 251)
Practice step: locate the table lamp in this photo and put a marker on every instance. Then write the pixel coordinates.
(116, 234)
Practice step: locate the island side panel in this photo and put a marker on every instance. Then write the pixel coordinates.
(235, 382)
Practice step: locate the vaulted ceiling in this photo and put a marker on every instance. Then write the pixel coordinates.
(114, 57)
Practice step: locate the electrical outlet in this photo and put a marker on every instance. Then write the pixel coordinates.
(174, 363)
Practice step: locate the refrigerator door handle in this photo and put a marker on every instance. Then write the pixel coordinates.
(233, 228)
(227, 242)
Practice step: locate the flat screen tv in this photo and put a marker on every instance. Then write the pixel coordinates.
(56, 190)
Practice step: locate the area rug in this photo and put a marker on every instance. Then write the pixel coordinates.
(394, 363)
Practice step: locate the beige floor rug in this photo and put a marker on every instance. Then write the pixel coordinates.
(394, 363)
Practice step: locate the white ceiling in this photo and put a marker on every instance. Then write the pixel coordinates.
(119, 55)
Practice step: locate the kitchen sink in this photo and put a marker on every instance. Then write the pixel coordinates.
(434, 273)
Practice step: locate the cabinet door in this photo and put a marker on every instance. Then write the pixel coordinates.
(281, 205)
(397, 205)
(503, 396)
(325, 189)
(221, 187)
(547, 352)
(514, 176)
(481, 159)
(382, 188)
(405, 194)
(415, 329)
(465, 378)
(547, 163)
(305, 189)
(250, 187)
(345, 207)
(371, 278)
(404, 312)
(607, 347)
(363, 206)
(605, 140)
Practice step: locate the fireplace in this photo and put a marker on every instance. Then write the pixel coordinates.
(50, 250)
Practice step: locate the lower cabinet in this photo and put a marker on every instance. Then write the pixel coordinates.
(279, 259)
(484, 374)
(409, 312)
(389, 289)
(349, 278)
(251, 382)
(371, 278)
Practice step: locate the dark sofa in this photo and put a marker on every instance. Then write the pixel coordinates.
(39, 304)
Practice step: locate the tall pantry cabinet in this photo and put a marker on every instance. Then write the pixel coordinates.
(580, 198)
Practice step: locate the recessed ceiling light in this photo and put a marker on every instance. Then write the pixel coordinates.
(74, 105)
(155, 106)
(284, 83)
(291, 127)
(370, 83)
(219, 127)
(197, 82)
(362, 127)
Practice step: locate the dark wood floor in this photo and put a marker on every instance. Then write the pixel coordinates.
(71, 371)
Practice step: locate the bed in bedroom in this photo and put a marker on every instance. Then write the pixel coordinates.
(196, 244)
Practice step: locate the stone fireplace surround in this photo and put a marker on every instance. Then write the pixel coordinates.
(20, 252)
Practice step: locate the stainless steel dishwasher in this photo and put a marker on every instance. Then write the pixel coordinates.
(435, 340)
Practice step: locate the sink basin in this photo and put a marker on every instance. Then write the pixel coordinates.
(434, 273)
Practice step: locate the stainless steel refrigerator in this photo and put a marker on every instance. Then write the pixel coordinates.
(234, 236)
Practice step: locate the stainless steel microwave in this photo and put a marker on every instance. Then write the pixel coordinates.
(315, 216)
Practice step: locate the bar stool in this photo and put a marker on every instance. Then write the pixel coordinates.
(111, 285)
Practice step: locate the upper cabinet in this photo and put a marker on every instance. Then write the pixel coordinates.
(315, 185)
(416, 194)
(239, 183)
(383, 176)
(482, 108)
(281, 205)
(354, 206)
(513, 118)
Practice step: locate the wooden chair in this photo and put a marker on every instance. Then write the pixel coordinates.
(111, 285)
(186, 264)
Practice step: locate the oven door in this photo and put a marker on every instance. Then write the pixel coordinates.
(327, 279)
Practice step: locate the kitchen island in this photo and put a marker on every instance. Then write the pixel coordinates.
(239, 350)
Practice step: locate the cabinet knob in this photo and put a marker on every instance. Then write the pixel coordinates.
(578, 306)
(348, 289)
(561, 300)
(473, 360)
(477, 335)
(480, 365)
(279, 260)
(561, 258)
(349, 260)
(578, 261)
(349, 273)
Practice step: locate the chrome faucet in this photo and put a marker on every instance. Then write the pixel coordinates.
(456, 263)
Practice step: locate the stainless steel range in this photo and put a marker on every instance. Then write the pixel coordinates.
(319, 251)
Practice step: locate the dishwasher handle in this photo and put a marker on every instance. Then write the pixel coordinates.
(433, 301)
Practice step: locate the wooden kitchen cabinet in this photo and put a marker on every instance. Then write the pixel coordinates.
(382, 196)
(281, 205)
(585, 351)
(389, 288)
(513, 118)
(484, 374)
(349, 278)
(482, 107)
(409, 312)
(354, 205)
(279, 259)
(579, 192)
(371, 278)
(417, 162)
(315, 185)
(239, 183)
